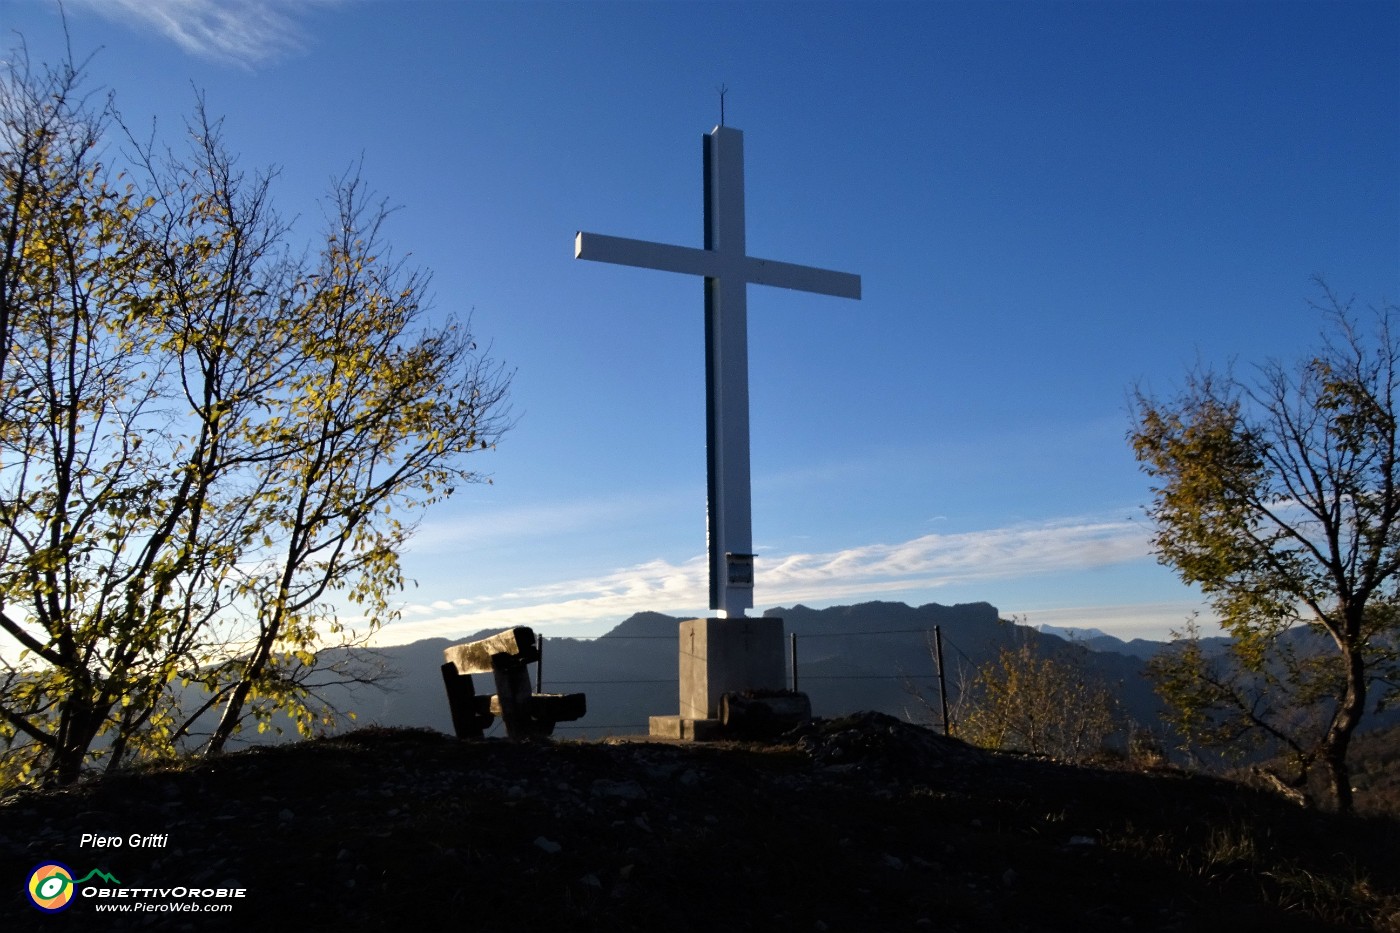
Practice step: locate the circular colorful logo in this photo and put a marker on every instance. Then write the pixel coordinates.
(51, 887)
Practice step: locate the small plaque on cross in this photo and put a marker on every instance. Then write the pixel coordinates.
(740, 570)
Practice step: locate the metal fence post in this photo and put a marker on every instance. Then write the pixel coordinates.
(793, 638)
(942, 683)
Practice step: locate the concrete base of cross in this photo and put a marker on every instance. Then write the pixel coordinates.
(719, 656)
(686, 730)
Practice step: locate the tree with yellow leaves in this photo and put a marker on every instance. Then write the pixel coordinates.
(1032, 700)
(1279, 495)
(210, 447)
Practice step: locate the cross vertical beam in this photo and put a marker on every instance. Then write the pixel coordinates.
(727, 269)
(730, 511)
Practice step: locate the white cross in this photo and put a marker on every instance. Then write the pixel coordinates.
(727, 269)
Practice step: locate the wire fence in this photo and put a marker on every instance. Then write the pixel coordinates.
(796, 675)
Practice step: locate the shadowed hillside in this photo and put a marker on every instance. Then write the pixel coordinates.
(858, 824)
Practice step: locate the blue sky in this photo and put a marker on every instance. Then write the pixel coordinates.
(1048, 204)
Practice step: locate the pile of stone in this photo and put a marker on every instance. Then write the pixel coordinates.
(882, 746)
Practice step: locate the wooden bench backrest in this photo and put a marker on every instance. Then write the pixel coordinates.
(475, 657)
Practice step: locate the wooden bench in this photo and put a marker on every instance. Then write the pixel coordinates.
(506, 656)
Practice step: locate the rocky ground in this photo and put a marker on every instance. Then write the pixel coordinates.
(859, 824)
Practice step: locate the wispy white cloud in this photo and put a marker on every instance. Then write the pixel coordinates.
(242, 32)
(925, 563)
(1153, 621)
(939, 560)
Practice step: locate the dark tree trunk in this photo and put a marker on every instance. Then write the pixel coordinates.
(72, 749)
(233, 709)
(1338, 739)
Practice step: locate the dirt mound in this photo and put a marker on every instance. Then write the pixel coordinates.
(878, 743)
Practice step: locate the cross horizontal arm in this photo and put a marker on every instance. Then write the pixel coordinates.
(803, 278)
(647, 255)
